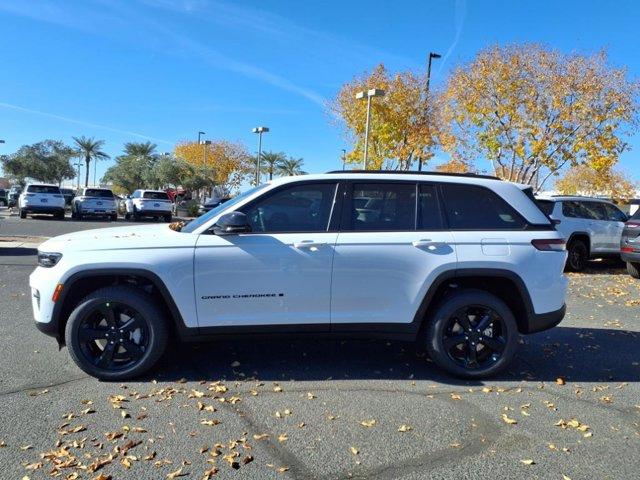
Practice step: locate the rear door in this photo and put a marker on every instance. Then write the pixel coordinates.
(615, 225)
(391, 246)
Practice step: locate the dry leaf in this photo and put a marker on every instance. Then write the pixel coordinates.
(404, 428)
(528, 462)
(507, 420)
(368, 423)
(354, 450)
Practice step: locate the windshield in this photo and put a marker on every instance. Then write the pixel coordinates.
(94, 192)
(198, 222)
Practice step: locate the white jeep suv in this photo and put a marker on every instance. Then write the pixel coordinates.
(461, 263)
(592, 227)
(96, 202)
(41, 198)
(149, 203)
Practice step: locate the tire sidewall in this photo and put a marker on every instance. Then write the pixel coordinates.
(156, 327)
(438, 321)
(580, 246)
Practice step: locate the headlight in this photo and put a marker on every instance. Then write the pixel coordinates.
(48, 260)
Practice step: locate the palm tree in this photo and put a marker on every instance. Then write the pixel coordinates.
(143, 151)
(90, 150)
(270, 161)
(290, 167)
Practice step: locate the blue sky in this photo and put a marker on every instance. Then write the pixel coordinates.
(131, 70)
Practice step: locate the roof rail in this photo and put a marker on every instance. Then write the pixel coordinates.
(415, 172)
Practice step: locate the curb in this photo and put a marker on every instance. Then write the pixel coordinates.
(22, 241)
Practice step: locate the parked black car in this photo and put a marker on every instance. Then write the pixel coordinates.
(630, 244)
(211, 204)
(4, 197)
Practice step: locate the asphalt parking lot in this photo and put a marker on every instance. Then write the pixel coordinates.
(569, 407)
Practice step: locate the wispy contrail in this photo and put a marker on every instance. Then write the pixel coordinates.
(80, 122)
(460, 11)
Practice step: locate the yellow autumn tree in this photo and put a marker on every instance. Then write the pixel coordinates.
(584, 180)
(402, 128)
(532, 111)
(454, 166)
(220, 163)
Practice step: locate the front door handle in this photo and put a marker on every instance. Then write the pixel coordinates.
(425, 243)
(308, 245)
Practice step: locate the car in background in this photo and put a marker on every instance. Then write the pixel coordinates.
(12, 196)
(41, 198)
(630, 245)
(592, 227)
(149, 203)
(4, 197)
(94, 202)
(68, 194)
(210, 204)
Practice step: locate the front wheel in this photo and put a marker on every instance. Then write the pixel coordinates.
(116, 333)
(472, 334)
(23, 213)
(114, 217)
(167, 218)
(633, 269)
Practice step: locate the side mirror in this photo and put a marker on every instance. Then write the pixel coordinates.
(231, 224)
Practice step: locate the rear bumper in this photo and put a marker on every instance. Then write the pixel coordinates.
(633, 257)
(42, 209)
(538, 322)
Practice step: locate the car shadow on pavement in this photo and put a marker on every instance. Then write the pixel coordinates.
(17, 252)
(575, 354)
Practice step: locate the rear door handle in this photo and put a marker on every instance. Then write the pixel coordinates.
(308, 245)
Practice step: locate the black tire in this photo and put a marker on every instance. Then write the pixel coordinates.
(167, 218)
(450, 345)
(73, 214)
(127, 216)
(23, 214)
(59, 216)
(139, 309)
(136, 216)
(578, 256)
(633, 269)
(114, 217)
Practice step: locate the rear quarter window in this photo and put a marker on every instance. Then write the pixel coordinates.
(469, 207)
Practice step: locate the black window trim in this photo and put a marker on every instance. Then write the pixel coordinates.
(332, 226)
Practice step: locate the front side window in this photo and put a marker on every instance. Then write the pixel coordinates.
(297, 208)
(595, 210)
(383, 207)
(469, 207)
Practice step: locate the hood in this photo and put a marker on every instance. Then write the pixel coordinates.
(119, 238)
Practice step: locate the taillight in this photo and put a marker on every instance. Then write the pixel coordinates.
(549, 244)
(627, 249)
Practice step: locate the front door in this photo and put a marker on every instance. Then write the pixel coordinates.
(280, 273)
(386, 255)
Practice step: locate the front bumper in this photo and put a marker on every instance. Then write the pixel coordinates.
(539, 322)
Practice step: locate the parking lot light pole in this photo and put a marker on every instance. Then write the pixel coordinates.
(200, 135)
(432, 56)
(369, 94)
(259, 131)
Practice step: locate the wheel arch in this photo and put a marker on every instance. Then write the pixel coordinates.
(584, 236)
(82, 283)
(504, 284)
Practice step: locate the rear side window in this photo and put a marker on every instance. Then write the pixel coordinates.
(156, 195)
(546, 206)
(94, 192)
(43, 189)
(383, 207)
(469, 207)
(613, 213)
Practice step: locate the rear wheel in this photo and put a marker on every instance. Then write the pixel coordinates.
(116, 333)
(136, 215)
(23, 213)
(578, 256)
(114, 217)
(59, 215)
(472, 334)
(167, 218)
(633, 269)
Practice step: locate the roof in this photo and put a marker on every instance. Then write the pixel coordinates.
(560, 198)
(414, 172)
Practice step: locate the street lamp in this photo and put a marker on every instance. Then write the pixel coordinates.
(369, 94)
(204, 147)
(432, 56)
(199, 135)
(259, 131)
(344, 157)
(1, 141)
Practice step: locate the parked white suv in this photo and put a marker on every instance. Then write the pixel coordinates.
(461, 263)
(41, 198)
(149, 203)
(591, 226)
(95, 202)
